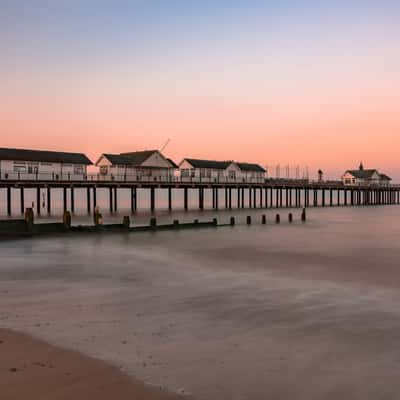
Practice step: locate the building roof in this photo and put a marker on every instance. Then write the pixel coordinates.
(211, 164)
(134, 159)
(174, 165)
(251, 167)
(385, 177)
(43, 156)
(362, 173)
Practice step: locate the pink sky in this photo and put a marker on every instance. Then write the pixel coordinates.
(323, 93)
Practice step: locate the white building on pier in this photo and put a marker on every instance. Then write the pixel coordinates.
(23, 164)
(148, 165)
(365, 177)
(220, 171)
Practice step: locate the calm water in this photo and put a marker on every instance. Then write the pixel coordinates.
(262, 312)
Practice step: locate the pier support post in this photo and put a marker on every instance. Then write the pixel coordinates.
(250, 197)
(88, 200)
(38, 200)
(115, 198)
(242, 190)
(201, 198)
(169, 199)
(48, 199)
(266, 197)
(152, 199)
(185, 198)
(22, 199)
(238, 197)
(72, 199)
(8, 200)
(64, 199)
(110, 195)
(230, 198)
(94, 197)
(226, 198)
(216, 198)
(280, 197)
(133, 199)
(323, 197)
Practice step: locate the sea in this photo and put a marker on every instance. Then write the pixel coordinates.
(290, 311)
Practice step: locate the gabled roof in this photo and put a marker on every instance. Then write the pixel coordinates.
(43, 156)
(251, 167)
(362, 173)
(138, 157)
(134, 158)
(211, 164)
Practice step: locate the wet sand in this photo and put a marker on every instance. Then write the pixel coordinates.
(32, 369)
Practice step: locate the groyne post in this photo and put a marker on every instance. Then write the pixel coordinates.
(232, 221)
(290, 217)
(126, 221)
(277, 219)
(264, 219)
(248, 220)
(29, 219)
(67, 219)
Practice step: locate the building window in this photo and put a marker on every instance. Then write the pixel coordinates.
(78, 170)
(232, 174)
(19, 168)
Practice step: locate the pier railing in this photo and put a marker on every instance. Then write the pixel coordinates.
(11, 176)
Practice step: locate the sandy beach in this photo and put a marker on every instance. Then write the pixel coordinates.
(32, 369)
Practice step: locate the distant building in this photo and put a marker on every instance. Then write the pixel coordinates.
(148, 165)
(361, 176)
(220, 171)
(44, 165)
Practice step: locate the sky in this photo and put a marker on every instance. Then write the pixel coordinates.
(304, 82)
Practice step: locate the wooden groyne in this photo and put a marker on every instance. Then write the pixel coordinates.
(27, 228)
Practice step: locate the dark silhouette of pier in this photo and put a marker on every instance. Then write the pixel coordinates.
(268, 193)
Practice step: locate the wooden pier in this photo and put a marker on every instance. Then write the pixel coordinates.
(270, 193)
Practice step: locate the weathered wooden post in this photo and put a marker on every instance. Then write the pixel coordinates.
(196, 221)
(97, 217)
(232, 221)
(290, 217)
(176, 223)
(248, 220)
(303, 215)
(215, 221)
(153, 222)
(29, 219)
(264, 219)
(126, 221)
(67, 219)
(277, 219)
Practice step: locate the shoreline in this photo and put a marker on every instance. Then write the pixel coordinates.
(32, 368)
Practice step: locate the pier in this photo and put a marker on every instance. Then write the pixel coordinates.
(268, 193)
